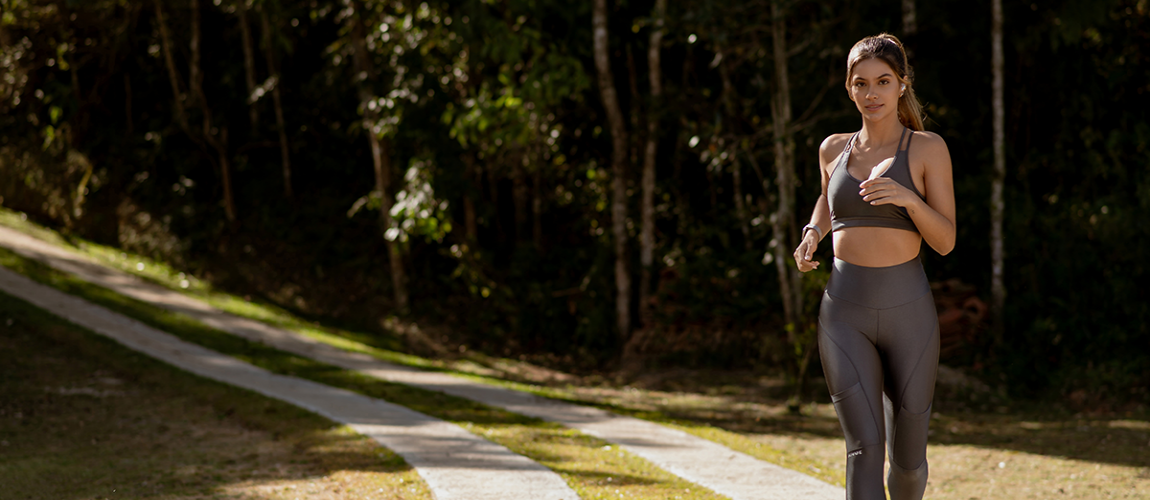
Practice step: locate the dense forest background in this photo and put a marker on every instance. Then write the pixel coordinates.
(457, 164)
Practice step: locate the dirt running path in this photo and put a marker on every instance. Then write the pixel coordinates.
(704, 462)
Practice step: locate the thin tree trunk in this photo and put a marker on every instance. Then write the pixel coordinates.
(195, 79)
(647, 231)
(537, 209)
(909, 24)
(216, 137)
(636, 106)
(783, 222)
(493, 193)
(249, 61)
(470, 222)
(281, 126)
(997, 205)
(736, 169)
(519, 196)
(380, 157)
(619, 160)
(740, 203)
(173, 73)
(129, 125)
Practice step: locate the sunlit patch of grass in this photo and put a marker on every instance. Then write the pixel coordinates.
(83, 417)
(165, 275)
(592, 467)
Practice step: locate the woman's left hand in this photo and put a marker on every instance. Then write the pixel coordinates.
(886, 191)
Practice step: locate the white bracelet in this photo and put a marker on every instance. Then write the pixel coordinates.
(818, 231)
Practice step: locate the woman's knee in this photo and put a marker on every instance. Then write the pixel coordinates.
(908, 442)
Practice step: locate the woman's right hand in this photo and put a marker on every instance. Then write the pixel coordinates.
(805, 252)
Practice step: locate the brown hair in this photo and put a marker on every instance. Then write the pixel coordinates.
(888, 49)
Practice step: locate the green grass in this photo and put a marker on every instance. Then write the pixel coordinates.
(592, 467)
(83, 417)
(1043, 452)
(475, 366)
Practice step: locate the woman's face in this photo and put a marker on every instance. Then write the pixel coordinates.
(874, 88)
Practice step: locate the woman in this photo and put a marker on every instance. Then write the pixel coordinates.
(878, 330)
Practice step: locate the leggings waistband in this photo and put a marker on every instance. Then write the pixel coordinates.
(878, 287)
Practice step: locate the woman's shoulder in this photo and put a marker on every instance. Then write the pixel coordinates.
(833, 145)
(929, 144)
(929, 141)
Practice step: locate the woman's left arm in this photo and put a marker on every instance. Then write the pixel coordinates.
(935, 216)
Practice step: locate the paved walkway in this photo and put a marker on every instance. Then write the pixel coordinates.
(734, 474)
(456, 464)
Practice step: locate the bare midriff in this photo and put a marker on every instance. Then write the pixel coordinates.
(876, 246)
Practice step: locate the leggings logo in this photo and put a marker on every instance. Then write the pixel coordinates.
(854, 453)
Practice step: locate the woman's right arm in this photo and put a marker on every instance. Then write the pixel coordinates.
(822, 214)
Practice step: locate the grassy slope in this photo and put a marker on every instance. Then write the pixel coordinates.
(475, 366)
(1042, 453)
(83, 417)
(591, 466)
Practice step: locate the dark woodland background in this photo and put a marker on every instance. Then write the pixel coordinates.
(450, 163)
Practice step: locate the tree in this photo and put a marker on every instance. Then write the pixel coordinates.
(650, 156)
(619, 166)
(269, 39)
(210, 134)
(997, 204)
(782, 223)
(909, 25)
(380, 151)
(249, 61)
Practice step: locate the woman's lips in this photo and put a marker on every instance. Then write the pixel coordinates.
(874, 107)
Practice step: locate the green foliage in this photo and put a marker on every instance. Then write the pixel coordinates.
(494, 133)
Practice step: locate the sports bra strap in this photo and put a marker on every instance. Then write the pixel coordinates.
(901, 137)
(851, 142)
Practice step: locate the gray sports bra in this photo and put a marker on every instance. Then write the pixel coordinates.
(848, 209)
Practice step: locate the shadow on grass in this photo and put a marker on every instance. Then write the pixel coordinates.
(82, 417)
(747, 404)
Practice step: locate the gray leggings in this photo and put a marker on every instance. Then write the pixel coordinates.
(878, 341)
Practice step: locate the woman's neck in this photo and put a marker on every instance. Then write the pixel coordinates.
(877, 134)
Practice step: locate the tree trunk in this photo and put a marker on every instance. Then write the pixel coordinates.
(647, 231)
(997, 205)
(740, 203)
(195, 79)
(470, 222)
(537, 209)
(129, 124)
(380, 157)
(909, 24)
(519, 196)
(249, 61)
(173, 73)
(636, 108)
(783, 221)
(729, 127)
(619, 160)
(281, 127)
(216, 137)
